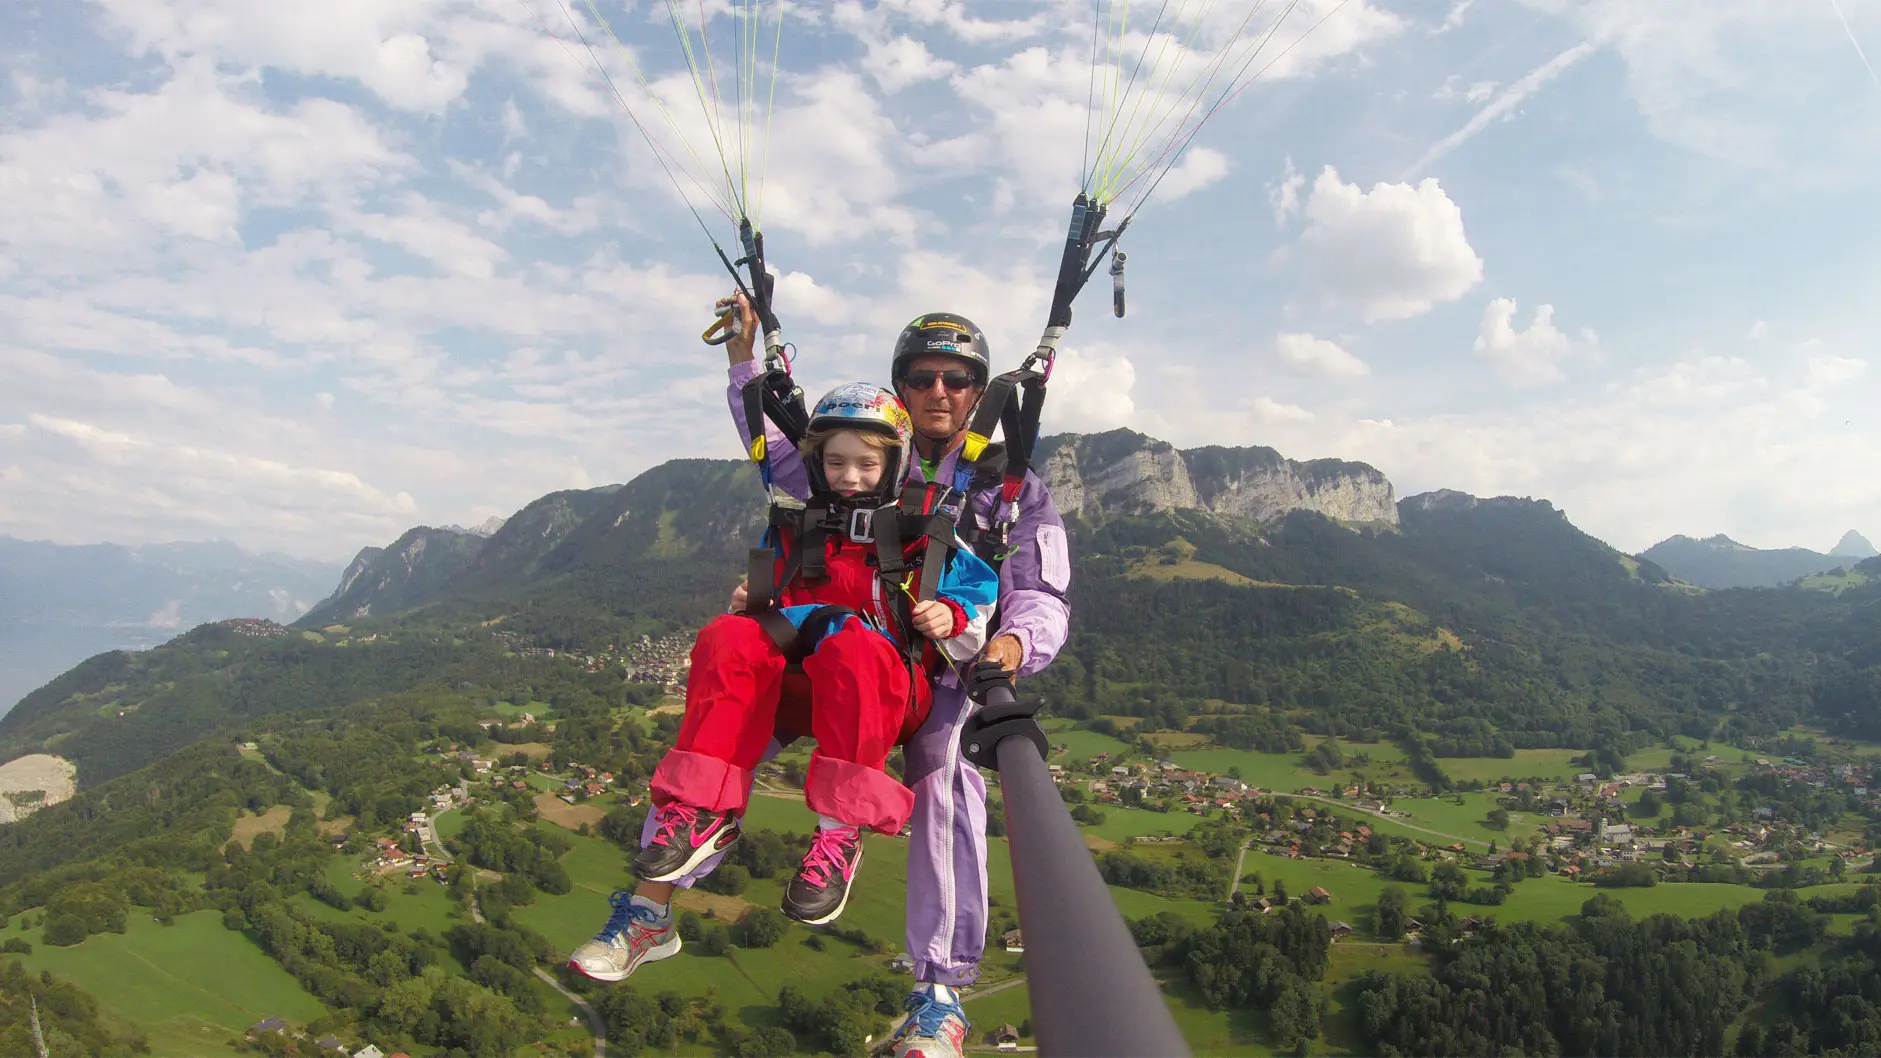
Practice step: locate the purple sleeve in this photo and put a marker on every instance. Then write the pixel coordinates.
(786, 462)
(1033, 580)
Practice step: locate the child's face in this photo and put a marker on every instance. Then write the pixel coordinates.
(851, 465)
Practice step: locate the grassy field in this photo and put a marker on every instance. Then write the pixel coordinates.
(512, 711)
(1354, 888)
(191, 986)
(567, 816)
(1080, 746)
(273, 821)
(1120, 823)
(1467, 820)
(1554, 764)
(450, 824)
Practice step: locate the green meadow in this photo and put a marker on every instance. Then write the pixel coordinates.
(192, 986)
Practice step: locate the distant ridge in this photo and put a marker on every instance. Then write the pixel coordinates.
(1721, 562)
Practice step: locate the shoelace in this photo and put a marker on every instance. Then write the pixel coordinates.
(623, 914)
(926, 1014)
(829, 854)
(670, 818)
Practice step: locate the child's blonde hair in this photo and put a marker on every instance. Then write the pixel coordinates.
(813, 442)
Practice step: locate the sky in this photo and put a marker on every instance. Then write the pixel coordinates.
(302, 276)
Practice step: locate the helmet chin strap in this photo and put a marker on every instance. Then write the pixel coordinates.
(931, 448)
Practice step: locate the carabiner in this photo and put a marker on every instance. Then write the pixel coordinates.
(727, 323)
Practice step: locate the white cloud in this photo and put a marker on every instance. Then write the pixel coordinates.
(1284, 194)
(1308, 355)
(901, 62)
(185, 159)
(1453, 89)
(514, 126)
(1697, 381)
(1392, 252)
(1200, 167)
(1834, 370)
(1758, 331)
(1092, 390)
(1270, 409)
(1530, 356)
(952, 16)
(382, 46)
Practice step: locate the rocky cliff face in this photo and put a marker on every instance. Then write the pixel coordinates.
(397, 576)
(1124, 473)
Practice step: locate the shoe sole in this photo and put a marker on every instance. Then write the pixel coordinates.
(699, 855)
(654, 954)
(840, 904)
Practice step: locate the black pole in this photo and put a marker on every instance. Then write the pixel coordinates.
(1091, 993)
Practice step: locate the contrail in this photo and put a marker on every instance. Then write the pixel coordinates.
(1851, 39)
(1502, 104)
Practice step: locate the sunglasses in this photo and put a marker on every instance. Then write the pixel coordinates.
(922, 381)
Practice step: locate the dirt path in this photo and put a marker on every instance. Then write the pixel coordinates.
(1234, 882)
(994, 989)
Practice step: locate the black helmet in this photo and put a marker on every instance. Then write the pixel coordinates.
(943, 334)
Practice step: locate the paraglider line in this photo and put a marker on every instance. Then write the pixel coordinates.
(609, 81)
(1182, 146)
(1148, 39)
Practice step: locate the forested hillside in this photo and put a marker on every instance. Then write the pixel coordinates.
(255, 789)
(1477, 627)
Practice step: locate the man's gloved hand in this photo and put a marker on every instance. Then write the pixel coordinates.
(984, 676)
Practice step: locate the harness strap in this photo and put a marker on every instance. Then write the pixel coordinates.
(799, 641)
(760, 589)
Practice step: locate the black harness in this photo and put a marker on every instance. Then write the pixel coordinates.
(802, 535)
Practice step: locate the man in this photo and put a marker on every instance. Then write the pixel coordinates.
(940, 369)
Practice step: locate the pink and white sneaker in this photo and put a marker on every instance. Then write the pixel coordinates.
(820, 890)
(683, 838)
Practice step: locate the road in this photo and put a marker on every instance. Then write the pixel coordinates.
(429, 840)
(595, 1024)
(594, 1020)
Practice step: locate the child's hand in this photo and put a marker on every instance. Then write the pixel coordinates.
(933, 619)
(739, 595)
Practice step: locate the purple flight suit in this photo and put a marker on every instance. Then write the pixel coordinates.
(947, 911)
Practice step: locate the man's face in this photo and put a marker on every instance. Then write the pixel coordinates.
(938, 412)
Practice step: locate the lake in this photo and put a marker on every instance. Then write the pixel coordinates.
(32, 653)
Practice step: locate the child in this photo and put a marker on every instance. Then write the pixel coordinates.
(865, 649)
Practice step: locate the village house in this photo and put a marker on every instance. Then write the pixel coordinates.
(1006, 1038)
(1013, 939)
(271, 1023)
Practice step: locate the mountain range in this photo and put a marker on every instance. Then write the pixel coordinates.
(60, 604)
(1721, 562)
(1275, 597)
